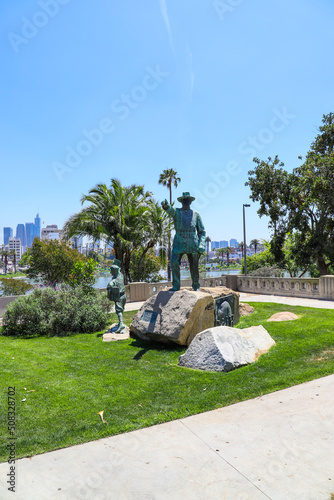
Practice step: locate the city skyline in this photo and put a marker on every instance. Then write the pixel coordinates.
(24, 232)
(92, 92)
(22, 228)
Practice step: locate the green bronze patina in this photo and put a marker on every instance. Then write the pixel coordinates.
(189, 239)
(116, 293)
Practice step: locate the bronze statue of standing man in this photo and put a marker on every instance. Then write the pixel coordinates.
(189, 239)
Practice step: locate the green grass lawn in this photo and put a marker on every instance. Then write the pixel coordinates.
(138, 384)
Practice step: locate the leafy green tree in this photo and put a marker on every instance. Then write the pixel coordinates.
(25, 259)
(265, 259)
(93, 255)
(300, 203)
(168, 178)
(52, 261)
(149, 268)
(83, 274)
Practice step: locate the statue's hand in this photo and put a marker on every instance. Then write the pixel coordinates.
(165, 204)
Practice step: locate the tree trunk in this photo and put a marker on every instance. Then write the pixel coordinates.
(127, 277)
(141, 259)
(322, 266)
(169, 256)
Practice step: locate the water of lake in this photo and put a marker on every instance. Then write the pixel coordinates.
(103, 279)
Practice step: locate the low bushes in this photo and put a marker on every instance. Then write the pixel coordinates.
(50, 312)
(12, 286)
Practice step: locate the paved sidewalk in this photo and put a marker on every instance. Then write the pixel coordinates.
(255, 297)
(292, 301)
(278, 446)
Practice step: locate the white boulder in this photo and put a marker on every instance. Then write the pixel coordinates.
(224, 348)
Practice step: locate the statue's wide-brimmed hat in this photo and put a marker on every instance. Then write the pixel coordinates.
(116, 263)
(185, 196)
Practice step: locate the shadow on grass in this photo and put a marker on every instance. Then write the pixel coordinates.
(51, 336)
(153, 346)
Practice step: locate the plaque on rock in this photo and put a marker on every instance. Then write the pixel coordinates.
(224, 311)
(149, 316)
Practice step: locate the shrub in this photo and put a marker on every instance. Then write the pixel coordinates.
(11, 286)
(51, 312)
(268, 272)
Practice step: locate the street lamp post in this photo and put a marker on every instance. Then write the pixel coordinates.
(245, 246)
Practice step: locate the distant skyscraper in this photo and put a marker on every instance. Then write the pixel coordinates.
(21, 234)
(223, 244)
(7, 233)
(233, 243)
(30, 233)
(214, 244)
(37, 226)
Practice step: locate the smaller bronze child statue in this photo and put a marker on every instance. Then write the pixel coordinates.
(116, 293)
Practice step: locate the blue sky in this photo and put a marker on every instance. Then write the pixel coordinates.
(97, 90)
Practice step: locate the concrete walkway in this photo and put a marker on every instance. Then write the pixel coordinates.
(279, 446)
(291, 301)
(255, 297)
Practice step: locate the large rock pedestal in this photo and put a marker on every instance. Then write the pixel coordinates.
(224, 348)
(174, 317)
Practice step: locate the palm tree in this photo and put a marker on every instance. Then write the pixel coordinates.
(116, 215)
(254, 243)
(228, 251)
(219, 253)
(207, 241)
(14, 255)
(167, 178)
(156, 229)
(241, 247)
(5, 254)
